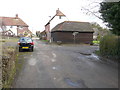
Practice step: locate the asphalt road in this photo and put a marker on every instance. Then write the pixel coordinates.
(66, 66)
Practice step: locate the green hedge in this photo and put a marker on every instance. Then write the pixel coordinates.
(110, 46)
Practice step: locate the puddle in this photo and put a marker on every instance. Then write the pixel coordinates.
(85, 53)
(79, 83)
(90, 55)
(93, 56)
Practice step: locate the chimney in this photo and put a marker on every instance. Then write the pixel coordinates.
(59, 13)
(16, 16)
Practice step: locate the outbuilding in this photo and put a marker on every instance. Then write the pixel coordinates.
(72, 32)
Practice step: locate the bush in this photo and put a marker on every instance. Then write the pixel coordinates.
(110, 46)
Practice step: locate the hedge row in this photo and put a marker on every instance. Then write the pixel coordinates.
(110, 46)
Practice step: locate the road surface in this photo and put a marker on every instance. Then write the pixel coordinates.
(65, 66)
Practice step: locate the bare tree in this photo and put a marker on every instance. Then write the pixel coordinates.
(92, 8)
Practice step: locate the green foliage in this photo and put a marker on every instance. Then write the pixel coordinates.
(96, 42)
(25, 34)
(44, 40)
(99, 31)
(110, 46)
(110, 12)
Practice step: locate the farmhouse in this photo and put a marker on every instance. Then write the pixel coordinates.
(8, 33)
(15, 24)
(72, 32)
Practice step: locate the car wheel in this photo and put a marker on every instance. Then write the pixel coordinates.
(20, 50)
(31, 49)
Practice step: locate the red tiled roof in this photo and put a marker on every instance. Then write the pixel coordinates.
(13, 21)
(24, 29)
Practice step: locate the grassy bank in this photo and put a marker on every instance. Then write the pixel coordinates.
(9, 60)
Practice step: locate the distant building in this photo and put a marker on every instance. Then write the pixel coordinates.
(15, 24)
(2, 25)
(8, 33)
(24, 32)
(47, 26)
(43, 35)
(72, 32)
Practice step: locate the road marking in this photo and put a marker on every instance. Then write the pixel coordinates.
(53, 68)
(53, 60)
(54, 78)
(54, 55)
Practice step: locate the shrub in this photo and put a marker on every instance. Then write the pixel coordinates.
(110, 46)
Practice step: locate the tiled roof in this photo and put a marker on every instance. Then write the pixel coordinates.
(43, 32)
(24, 29)
(13, 21)
(73, 26)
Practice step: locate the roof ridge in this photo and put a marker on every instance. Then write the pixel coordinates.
(77, 21)
(7, 17)
(60, 25)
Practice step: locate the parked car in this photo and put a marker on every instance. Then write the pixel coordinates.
(25, 43)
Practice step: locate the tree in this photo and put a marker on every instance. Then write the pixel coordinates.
(99, 31)
(110, 12)
(92, 8)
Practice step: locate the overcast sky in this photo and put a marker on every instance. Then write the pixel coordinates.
(36, 12)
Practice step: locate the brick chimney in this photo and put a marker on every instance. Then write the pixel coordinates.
(59, 13)
(16, 16)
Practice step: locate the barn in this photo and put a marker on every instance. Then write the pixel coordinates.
(72, 32)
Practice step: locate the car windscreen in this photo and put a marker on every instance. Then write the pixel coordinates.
(25, 40)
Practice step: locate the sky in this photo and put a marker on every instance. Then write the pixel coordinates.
(36, 13)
